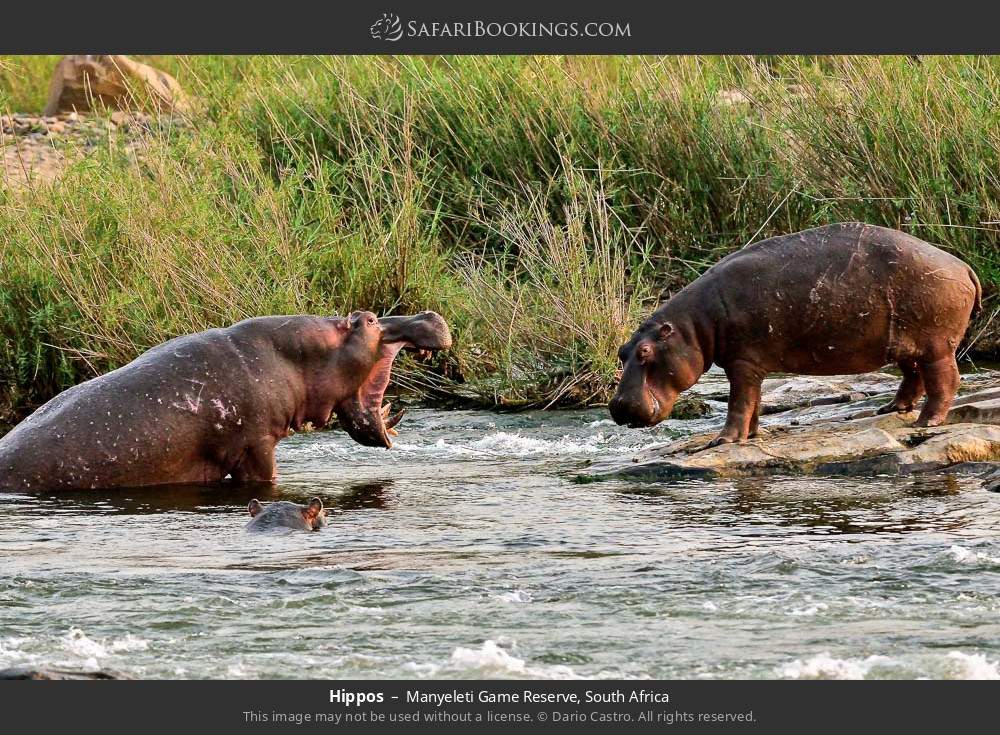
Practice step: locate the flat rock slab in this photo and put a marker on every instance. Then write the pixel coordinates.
(799, 390)
(862, 445)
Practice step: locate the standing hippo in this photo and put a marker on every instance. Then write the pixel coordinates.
(841, 299)
(285, 515)
(206, 406)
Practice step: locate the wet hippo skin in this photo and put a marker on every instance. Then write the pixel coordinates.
(212, 405)
(285, 515)
(840, 299)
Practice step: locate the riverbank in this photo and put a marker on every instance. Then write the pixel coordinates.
(543, 205)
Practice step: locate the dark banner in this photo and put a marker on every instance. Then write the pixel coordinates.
(528, 706)
(447, 26)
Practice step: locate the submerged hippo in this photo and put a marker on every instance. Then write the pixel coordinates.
(841, 299)
(206, 406)
(283, 514)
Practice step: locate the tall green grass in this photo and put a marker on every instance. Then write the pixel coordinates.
(543, 205)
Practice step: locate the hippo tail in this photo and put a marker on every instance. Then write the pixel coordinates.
(978, 306)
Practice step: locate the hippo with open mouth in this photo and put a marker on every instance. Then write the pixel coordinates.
(835, 300)
(211, 405)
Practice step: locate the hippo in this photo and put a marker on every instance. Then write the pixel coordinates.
(282, 515)
(207, 406)
(841, 299)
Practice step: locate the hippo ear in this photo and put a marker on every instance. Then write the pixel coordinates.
(666, 329)
(255, 507)
(314, 508)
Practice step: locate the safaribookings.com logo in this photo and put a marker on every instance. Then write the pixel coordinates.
(390, 28)
(387, 28)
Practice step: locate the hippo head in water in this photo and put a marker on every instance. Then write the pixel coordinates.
(285, 515)
(658, 363)
(376, 342)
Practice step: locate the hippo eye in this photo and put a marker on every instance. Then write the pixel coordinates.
(371, 320)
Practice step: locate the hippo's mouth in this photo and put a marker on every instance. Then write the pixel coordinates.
(650, 412)
(655, 403)
(365, 417)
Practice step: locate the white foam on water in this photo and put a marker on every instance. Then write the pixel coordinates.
(514, 596)
(825, 666)
(491, 658)
(968, 556)
(236, 671)
(11, 643)
(857, 560)
(809, 611)
(364, 610)
(357, 661)
(79, 644)
(493, 444)
(601, 422)
(973, 666)
(129, 643)
(709, 606)
(11, 650)
(488, 656)
(422, 670)
(514, 444)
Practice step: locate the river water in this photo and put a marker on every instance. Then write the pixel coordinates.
(469, 551)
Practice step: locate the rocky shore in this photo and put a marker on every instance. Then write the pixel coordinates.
(94, 100)
(26, 673)
(829, 426)
(37, 148)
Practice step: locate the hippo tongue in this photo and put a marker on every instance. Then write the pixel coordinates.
(373, 389)
(363, 416)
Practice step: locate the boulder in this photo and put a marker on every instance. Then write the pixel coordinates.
(690, 407)
(87, 81)
(991, 480)
(861, 445)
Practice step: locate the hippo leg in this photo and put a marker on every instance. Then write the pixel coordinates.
(744, 397)
(910, 390)
(754, 421)
(257, 464)
(941, 380)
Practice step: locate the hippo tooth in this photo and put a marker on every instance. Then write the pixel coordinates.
(393, 420)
